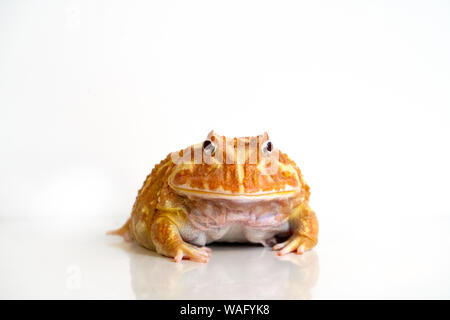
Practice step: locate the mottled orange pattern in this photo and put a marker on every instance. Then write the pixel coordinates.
(226, 177)
(174, 199)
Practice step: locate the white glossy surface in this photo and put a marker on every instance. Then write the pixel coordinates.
(48, 258)
(94, 93)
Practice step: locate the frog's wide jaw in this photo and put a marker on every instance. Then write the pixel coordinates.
(236, 196)
(233, 182)
(219, 193)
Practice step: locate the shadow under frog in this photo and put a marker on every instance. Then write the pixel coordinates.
(235, 271)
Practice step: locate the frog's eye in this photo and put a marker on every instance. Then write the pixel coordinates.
(267, 147)
(208, 147)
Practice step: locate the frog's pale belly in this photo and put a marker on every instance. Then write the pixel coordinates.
(231, 221)
(236, 232)
(242, 233)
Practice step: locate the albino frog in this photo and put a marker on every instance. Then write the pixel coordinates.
(223, 190)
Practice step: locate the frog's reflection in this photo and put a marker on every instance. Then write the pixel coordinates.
(233, 272)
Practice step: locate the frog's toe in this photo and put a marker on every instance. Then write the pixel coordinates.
(191, 252)
(206, 249)
(296, 243)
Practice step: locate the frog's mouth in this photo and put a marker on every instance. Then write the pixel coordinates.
(222, 194)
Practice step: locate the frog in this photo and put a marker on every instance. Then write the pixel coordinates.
(240, 189)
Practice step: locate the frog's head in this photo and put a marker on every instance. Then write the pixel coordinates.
(235, 168)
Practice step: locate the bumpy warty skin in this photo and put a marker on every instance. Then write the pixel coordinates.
(239, 193)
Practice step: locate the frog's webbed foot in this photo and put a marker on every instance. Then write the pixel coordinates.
(191, 252)
(297, 243)
(167, 240)
(305, 230)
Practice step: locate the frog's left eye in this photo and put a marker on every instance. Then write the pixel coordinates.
(209, 147)
(267, 147)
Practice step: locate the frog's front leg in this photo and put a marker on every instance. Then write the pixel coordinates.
(305, 229)
(167, 239)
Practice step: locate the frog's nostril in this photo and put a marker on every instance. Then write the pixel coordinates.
(209, 147)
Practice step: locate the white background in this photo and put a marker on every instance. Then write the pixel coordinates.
(94, 93)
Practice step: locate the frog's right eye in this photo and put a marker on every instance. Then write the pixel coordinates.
(208, 147)
(267, 147)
